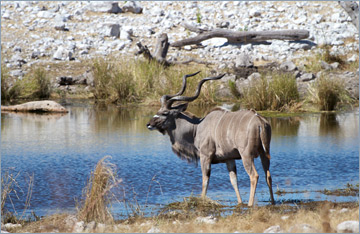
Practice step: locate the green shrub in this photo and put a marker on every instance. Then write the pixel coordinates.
(233, 89)
(278, 93)
(43, 84)
(198, 16)
(35, 85)
(328, 93)
(124, 86)
(102, 71)
(4, 84)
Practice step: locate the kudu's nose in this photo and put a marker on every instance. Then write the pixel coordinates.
(149, 126)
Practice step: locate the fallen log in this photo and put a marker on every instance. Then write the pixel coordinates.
(36, 106)
(239, 36)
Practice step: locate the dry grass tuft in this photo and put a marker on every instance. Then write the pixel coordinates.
(328, 93)
(279, 93)
(95, 207)
(196, 205)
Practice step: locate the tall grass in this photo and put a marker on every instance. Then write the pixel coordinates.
(4, 83)
(95, 206)
(11, 191)
(278, 93)
(328, 93)
(139, 80)
(35, 85)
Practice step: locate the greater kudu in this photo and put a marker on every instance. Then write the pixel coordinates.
(220, 137)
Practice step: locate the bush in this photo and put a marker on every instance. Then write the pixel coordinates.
(277, 93)
(328, 93)
(4, 84)
(35, 85)
(96, 194)
(233, 89)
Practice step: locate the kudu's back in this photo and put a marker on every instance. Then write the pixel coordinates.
(232, 135)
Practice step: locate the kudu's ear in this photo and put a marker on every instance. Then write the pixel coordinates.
(181, 107)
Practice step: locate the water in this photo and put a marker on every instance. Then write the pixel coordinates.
(310, 152)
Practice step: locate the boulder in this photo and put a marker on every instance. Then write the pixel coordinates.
(208, 220)
(89, 227)
(36, 106)
(63, 54)
(348, 226)
(132, 6)
(254, 76)
(105, 7)
(243, 60)
(11, 226)
(325, 66)
(274, 229)
(303, 228)
(154, 230)
(307, 77)
(78, 227)
(111, 30)
(288, 66)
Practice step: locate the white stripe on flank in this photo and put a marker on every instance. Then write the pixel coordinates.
(217, 125)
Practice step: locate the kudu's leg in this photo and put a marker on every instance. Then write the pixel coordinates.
(265, 161)
(231, 166)
(249, 166)
(206, 171)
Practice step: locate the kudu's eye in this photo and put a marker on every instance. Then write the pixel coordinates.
(165, 113)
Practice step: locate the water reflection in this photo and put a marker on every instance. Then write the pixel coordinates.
(285, 126)
(328, 124)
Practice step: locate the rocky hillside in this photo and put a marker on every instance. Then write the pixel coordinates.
(72, 32)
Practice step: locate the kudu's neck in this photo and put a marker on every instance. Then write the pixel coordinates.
(182, 137)
(184, 129)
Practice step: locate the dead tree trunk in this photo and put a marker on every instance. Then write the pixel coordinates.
(162, 46)
(240, 36)
(352, 8)
(161, 50)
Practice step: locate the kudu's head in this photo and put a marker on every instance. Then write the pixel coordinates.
(165, 117)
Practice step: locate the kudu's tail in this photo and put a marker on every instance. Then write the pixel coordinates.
(265, 136)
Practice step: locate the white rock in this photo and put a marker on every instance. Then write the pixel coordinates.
(132, 6)
(215, 42)
(70, 221)
(288, 66)
(187, 47)
(89, 227)
(78, 227)
(154, 230)
(6, 15)
(348, 226)
(208, 220)
(110, 30)
(303, 228)
(45, 14)
(274, 229)
(353, 58)
(254, 12)
(157, 11)
(62, 54)
(285, 217)
(10, 226)
(254, 76)
(105, 7)
(100, 227)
